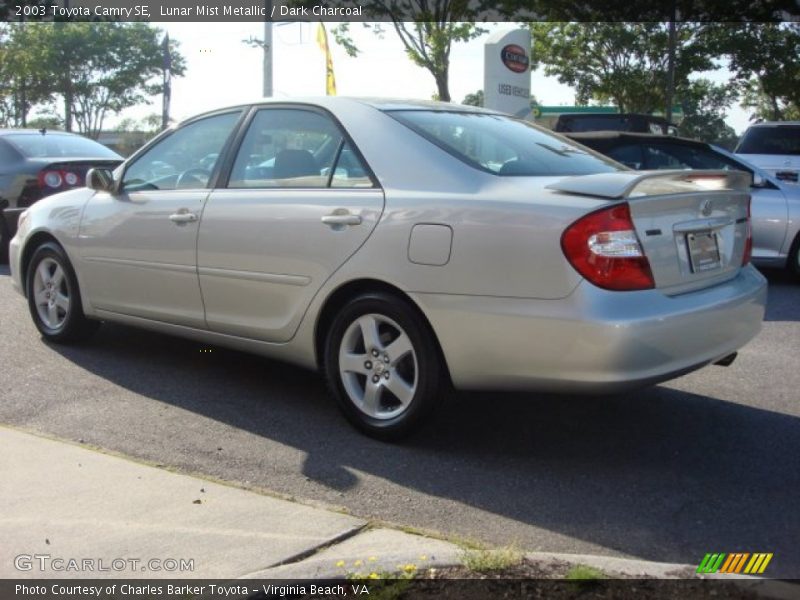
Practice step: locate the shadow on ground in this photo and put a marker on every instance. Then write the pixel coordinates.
(661, 474)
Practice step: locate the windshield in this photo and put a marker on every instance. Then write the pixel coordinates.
(780, 139)
(502, 145)
(55, 145)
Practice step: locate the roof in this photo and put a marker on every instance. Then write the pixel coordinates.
(338, 102)
(35, 132)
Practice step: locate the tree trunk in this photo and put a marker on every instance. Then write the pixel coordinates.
(441, 75)
(67, 99)
(777, 114)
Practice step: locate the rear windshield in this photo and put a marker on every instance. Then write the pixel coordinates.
(50, 145)
(502, 145)
(784, 139)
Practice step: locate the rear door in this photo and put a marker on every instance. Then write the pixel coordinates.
(299, 202)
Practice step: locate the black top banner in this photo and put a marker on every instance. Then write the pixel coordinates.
(400, 10)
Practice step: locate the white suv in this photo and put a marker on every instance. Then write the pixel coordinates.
(775, 147)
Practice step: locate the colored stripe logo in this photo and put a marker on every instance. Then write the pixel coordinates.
(740, 562)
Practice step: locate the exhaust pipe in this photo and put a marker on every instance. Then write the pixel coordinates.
(726, 361)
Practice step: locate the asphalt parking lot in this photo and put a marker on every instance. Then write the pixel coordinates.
(707, 463)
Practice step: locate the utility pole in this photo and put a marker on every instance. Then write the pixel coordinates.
(268, 49)
(671, 62)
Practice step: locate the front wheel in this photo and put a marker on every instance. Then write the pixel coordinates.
(5, 239)
(53, 297)
(382, 365)
(794, 257)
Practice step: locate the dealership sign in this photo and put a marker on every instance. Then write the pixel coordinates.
(506, 72)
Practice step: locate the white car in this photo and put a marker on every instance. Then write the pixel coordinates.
(775, 147)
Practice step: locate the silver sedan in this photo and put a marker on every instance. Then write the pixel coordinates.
(401, 248)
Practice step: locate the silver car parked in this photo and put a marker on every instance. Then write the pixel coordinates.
(401, 247)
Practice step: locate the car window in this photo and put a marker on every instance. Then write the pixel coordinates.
(675, 156)
(349, 170)
(502, 145)
(784, 139)
(629, 155)
(295, 148)
(183, 160)
(7, 153)
(58, 145)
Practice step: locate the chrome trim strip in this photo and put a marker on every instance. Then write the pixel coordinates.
(142, 264)
(298, 280)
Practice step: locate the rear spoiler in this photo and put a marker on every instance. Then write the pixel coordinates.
(626, 184)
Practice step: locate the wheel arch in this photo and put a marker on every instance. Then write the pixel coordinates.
(33, 242)
(345, 292)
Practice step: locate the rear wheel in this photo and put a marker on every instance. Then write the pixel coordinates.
(53, 297)
(382, 365)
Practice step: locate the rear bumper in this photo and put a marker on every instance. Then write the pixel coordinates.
(593, 341)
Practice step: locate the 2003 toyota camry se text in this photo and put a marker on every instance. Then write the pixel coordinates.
(401, 247)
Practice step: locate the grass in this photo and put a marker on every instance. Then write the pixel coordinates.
(483, 560)
(584, 573)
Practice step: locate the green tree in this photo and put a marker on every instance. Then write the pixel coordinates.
(23, 81)
(765, 62)
(473, 99)
(95, 69)
(428, 39)
(621, 63)
(705, 106)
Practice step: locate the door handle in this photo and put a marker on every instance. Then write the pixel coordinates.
(183, 216)
(341, 219)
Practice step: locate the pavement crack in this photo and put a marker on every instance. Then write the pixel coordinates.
(300, 556)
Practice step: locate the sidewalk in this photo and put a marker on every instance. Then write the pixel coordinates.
(71, 512)
(65, 501)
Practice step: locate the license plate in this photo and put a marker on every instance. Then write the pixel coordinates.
(703, 251)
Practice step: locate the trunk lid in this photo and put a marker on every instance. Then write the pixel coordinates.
(692, 225)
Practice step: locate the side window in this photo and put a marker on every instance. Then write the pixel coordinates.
(349, 170)
(295, 148)
(185, 159)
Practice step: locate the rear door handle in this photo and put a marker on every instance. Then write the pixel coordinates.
(183, 216)
(341, 219)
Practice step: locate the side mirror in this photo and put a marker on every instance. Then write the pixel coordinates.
(100, 180)
(759, 181)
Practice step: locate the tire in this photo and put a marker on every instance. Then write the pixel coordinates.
(5, 240)
(382, 365)
(54, 298)
(793, 262)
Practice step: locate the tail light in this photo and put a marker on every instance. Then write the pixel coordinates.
(604, 248)
(748, 242)
(51, 180)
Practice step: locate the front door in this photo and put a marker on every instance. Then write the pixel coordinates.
(139, 246)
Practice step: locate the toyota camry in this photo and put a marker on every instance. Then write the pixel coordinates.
(402, 248)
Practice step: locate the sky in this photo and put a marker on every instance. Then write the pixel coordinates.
(223, 70)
